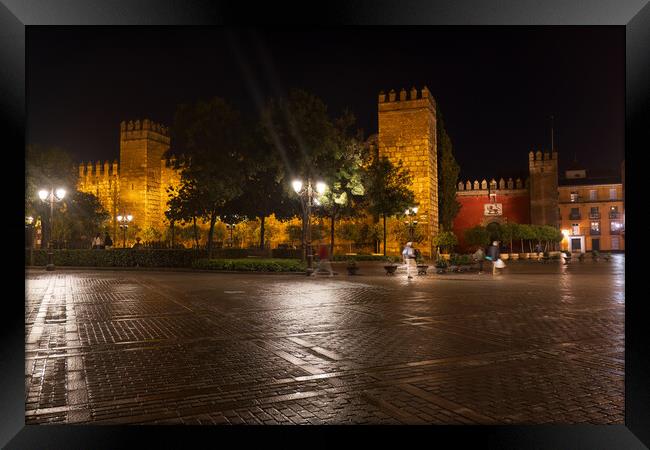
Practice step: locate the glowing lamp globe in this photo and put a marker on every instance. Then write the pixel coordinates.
(297, 186)
(321, 187)
(60, 193)
(42, 194)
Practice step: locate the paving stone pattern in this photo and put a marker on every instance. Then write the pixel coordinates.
(538, 343)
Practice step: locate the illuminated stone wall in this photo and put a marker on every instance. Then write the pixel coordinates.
(407, 132)
(543, 188)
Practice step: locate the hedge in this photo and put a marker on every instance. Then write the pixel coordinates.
(252, 265)
(361, 258)
(286, 253)
(119, 257)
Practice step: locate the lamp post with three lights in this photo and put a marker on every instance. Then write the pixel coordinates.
(411, 213)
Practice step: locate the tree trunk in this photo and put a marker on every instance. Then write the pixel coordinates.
(332, 234)
(511, 246)
(262, 232)
(384, 234)
(196, 232)
(172, 224)
(522, 245)
(213, 220)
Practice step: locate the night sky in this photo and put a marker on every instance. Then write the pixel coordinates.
(497, 87)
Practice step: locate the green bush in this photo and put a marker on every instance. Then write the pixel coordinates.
(251, 265)
(360, 257)
(286, 253)
(459, 260)
(119, 257)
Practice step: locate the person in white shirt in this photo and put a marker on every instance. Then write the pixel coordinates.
(409, 257)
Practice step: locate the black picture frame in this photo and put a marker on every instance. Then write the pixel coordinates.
(634, 15)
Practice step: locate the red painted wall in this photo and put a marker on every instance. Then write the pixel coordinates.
(516, 208)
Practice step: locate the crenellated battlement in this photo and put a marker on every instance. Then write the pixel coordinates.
(406, 100)
(502, 184)
(145, 129)
(97, 169)
(538, 157)
(174, 162)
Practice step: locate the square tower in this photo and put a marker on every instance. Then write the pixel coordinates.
(142, 146)
(543, 188)
(407, 132)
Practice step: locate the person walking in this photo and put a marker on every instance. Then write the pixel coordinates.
(324, 264)
(108, 242)
(479, 256)
(493, 254)
(408, 254)
(97, 241)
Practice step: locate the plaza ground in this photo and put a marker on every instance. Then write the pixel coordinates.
(539, 343)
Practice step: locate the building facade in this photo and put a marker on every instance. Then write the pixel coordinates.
(589, 210)
(138, 184)
(592, 212)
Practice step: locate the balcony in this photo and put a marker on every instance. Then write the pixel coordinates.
(594, 215)
(614, 214)
(574, 216)
(615, 231)
(593, 232)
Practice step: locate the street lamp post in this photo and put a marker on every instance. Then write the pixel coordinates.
(29, 224)
(124, 220)
(410, 214)
(307, 197)
(230, 226)
(52, 196)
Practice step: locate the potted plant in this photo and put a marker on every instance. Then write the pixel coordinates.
(352, 267)
(441, 265)
(391, 267)
(421, 266)
(446, 241)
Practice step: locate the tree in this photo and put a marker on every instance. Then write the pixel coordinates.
(184, 207)
(403, 233)
(211, 134)
(448, 170)
(79, 217)
(344, 195)
(348, 231)
(527, 233)
(387, 189)
(509, 232)
(305, 140)
(446, 240)
(46, 168)
(477, 236)
(263, 193)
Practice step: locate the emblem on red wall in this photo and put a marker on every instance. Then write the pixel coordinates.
(492, 209)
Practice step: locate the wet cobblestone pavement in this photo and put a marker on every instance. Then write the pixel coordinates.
(539, 343)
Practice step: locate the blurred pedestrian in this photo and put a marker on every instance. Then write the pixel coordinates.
(97, 241)
(493, 254)
(479, 256)
(324, 264)
(408, 254)
(108, 242)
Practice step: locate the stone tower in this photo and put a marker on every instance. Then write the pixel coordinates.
(142, 146)
(407, 132)
(543, 188)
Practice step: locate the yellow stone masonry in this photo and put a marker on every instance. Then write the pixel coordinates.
(407, 132)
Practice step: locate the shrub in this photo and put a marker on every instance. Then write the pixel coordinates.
(286, 253)
(250, 265)
(446, 240)
(119, 257)
(360, 257)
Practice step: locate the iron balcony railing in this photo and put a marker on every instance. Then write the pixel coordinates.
(595, 215)
(574, 216)
(614, 214)
(593, 232)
